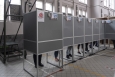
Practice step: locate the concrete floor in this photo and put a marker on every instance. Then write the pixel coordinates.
(98, 65)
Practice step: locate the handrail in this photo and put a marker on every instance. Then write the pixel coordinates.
(5, 18)
(4, 26)
(22, 19)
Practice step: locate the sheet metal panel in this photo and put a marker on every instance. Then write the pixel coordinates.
(110, 30)
(95, 26)
(78, 40)
(95, 37)
(67, 27)
(88, 39)
(49, 33)
(50, 46)
(29, 27)
(50, 29)
(78, 27)
(110, 27)
(110, 36)
(88, 26)
(102, 36)
(102, 27)
(68, 41)
(30, 46)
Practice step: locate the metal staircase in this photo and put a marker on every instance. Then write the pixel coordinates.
(8, 48)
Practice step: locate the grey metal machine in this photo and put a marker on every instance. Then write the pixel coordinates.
(88, 33)
(110, 30)
(68, 34)
(42, 33)
(102, 26)
(46, 32)
(96, 32)
(102, 34)
(79, 25)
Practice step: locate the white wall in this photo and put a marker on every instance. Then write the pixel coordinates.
(11, 28)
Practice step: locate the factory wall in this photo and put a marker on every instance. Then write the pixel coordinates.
(94, 9)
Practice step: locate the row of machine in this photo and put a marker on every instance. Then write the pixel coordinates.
(45, 32)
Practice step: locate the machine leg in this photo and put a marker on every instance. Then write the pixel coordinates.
(25, 54)
(62, 57)
(109, 42)
(72, 54)
(59, 58)
(104, 43)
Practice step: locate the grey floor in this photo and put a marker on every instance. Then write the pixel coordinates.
(93, 66)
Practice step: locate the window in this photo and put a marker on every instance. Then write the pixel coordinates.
(83, 13)
(16, 2)
(105, 2)
(69, 11)
(86, 14)
(63, 9)
(112, 4)
(39, 4)
(15, 9)
(49, 7)
(109, 3)
(73, 12)
(83, 1)
(80, 13)
(1, 9)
